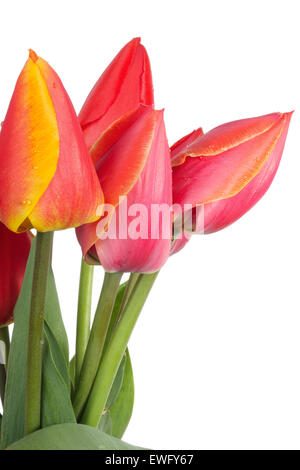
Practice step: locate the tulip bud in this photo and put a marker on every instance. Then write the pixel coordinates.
(126, 83)
(14, 250)
(47, 179)
(227, 170)
(133, 160)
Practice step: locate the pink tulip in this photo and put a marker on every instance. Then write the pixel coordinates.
(227, 170)
(133, 160)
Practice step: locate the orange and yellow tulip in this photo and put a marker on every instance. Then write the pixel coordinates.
(47, 179)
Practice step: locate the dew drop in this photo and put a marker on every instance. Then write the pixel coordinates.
(26, 202)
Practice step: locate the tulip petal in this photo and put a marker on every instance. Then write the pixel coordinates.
(180, 242)
(74, 194)
(206, 178)
(14, 254)
(223, 138)
(179, 150)
(125, 84)
(120, 165)
(121, 154)
(29, 143)
(145, 254)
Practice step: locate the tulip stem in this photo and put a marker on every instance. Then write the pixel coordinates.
(129, 285)
(96, 341)
(83, 314)
(42, 263)
(115, 350)
(127, 293)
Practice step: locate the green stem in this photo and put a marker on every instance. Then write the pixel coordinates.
(96, 340)
(115, 350)
(83, 314)
(127, 293)
(115, 316)
(4, 337)
(42, 263)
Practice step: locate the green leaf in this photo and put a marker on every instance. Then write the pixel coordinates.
(121, 410)
(116, 387)
(56, 401)
(14, 407)
(72, 371)
(119, 405)
(105, 424)
(54, 319)
(70, 437)
(57, 355)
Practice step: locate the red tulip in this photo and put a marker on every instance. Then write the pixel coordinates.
(47, 179)
(132, 159)
(126, 83)
(227, 170)
(14, 250)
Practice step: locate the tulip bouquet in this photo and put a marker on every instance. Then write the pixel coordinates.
(134, 201)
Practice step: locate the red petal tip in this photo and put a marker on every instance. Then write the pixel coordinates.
(33, 55)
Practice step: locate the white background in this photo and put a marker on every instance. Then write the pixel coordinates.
(216, 353)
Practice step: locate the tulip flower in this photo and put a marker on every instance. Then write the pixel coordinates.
(133, 160)
(47, 180)
(126, 83)
(14, 250)
(227, 170)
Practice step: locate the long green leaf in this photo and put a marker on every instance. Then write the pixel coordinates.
(122, 407)
(117, 385)
(57, 355)
(70, 437)
(14, 408)
(105, 424)
(120, 402)
(54, 319)
(72, 372)
(56, 400)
